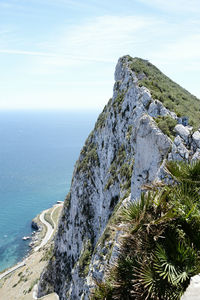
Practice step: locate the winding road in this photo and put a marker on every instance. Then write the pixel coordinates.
(47, 237)
(50, 229)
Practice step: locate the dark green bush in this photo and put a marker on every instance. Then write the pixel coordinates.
(166, 124)
(160, 250)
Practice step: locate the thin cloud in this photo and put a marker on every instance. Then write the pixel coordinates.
(175, 6)
(22, 52)
(186, 48)
(100, 39)
(60, 58)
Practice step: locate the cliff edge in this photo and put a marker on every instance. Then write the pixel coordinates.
(147, 121)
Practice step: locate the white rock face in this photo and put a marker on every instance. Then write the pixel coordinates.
(156, 109)
(179, 152)
(151, 148)
(125, 140)
(196, 155)
(182, 131)
(193, 290)
(196, 138)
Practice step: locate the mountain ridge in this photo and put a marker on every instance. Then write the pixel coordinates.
(125, 151)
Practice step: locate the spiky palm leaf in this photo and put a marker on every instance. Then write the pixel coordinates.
(135, 211)
(160, 249)
(184, 172)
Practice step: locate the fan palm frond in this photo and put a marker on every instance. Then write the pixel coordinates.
(184, 172)
(135, 211)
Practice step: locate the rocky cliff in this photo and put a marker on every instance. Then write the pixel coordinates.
(131, 139)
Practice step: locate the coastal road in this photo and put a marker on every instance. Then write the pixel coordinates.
(50, 229)
(48, 235)
(19, 265)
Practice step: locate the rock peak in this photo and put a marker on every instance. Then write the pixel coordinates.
(126, 150)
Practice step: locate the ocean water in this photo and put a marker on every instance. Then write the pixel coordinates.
(38, 151)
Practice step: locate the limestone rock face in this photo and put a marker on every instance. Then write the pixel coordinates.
(196, 155)
(182, 131)
(152, 146)
(156, 108)
(196, 138)
(193, 291)
(125, 150)
(179, 151)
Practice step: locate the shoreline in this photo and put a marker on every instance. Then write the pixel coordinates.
(36, 240)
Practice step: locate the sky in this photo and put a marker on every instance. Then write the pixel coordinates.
(61, 54)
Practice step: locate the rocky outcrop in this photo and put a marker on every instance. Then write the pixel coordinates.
(151, 147)
(125, 150)
(34, 225)
(183, 132)
(193, 290)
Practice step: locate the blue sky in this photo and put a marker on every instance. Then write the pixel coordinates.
(61, 54)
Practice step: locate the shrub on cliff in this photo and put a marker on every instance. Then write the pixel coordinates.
(160, 248)
(172, 95)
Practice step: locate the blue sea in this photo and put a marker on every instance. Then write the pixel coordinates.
(38, 151)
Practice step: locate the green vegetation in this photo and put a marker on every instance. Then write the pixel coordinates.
(56, 215)
(67, 201)
(47, 217)
(116, 164)
(33, 283)
(125, 171)
(110, 230)
(129, 132)
(109, 183)
(48, 254)
(117, 104)
(160, 249)
(166, 125)
(173, 96)
(22, 278)
(84, 260)
(90, 158)
(120, 170)
(100, 123)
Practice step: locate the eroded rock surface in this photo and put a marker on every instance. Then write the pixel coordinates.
(125, 150)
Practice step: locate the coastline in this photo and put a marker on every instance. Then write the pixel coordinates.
(27, 271)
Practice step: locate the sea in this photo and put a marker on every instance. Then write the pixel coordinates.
(38, 151)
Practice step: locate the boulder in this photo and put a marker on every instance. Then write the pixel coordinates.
(34, 225)
(156, 109)
(179, 151)
(178, 140)
(182, 131)
(196, 155)
(196, 138)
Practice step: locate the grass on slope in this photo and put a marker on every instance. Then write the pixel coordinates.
(172, 95)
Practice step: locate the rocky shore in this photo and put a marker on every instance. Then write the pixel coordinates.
(18, 282)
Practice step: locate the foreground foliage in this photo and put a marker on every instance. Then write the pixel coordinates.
(160, 248)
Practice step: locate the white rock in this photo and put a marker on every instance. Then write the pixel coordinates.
(182, 131)
(151, 148)
(173, 115)
(196, 155)
(156, 109)
(146, 96)
(193, 290)
(196, 138)
(178, 140)
(179, 151)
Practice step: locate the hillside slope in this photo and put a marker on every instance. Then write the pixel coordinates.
(130, 141)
